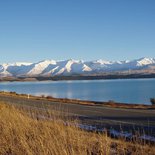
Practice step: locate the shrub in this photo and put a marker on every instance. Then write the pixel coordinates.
(49, 97)
(12, 92)
(152, 100)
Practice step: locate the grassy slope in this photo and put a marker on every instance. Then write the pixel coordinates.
(21, 133)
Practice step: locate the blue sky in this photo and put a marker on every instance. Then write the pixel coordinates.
(33, 30)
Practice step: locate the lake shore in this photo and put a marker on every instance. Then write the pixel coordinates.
(79, 77)
(110, 103)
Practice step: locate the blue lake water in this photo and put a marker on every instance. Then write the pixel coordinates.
(126, 90)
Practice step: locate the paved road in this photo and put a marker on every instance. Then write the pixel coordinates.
(98, 115)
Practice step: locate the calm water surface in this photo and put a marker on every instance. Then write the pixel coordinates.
(128, 91)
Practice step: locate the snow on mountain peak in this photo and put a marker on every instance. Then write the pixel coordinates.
(38, 68)
(145, 61)
(71, 66)
(85, 68)
(103, 62)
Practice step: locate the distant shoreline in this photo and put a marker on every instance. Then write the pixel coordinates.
(78, 77)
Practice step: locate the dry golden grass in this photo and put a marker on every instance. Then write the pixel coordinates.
(22, 134)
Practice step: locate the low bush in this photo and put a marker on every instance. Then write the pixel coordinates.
(152, 100)
(49, 97)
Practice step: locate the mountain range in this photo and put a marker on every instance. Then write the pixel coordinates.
(51, 68)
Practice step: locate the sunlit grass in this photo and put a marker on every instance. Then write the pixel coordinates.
(23, 132)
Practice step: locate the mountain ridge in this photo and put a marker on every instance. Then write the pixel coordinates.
(50, 68)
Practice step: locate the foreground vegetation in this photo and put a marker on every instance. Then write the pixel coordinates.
(28, 132)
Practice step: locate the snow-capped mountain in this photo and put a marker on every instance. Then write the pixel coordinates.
(74, 67)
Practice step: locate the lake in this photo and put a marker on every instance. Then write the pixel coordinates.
(120, 90)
